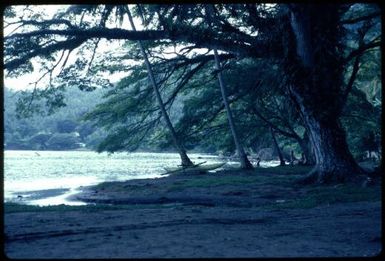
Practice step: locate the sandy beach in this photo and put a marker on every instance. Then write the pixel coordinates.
(245, 215)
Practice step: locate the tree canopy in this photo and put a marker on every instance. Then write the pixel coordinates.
(297, 70)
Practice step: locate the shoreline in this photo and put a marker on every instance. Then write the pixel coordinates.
(164, 188)
(31, 196)
(45, 197)
(233, 213)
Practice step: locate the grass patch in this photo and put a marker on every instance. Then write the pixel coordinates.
(234, 176)
(207, 181)
(289, 170)
(325, 195)
(223, 180)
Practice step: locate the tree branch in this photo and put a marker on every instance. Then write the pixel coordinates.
(184, 81)
(362, 18)
(201, 38)
(107, 33)
(63, 45)
(271, 125)
(361, 50)
(356, 67)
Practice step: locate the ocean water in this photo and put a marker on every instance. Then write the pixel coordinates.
(49, 177)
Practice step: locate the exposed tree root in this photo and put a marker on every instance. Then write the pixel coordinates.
(334, 176)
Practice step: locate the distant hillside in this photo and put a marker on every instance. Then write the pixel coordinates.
(61, 130)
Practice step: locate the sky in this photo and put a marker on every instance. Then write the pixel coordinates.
(22, 82)
(26, 81)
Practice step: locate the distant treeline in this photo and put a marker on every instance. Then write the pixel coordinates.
(63, 129)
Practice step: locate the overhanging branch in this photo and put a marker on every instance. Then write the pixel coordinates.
(361, 18)
(63, 45)
(201, 39)
(107, 33)
(361, 50)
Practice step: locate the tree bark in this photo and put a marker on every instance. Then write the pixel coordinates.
(182, 152)
(307, 148)
(281, 160)
(245, 163)
(315, 81)
(334, 162)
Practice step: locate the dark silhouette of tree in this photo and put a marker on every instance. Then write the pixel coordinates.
(308, 42)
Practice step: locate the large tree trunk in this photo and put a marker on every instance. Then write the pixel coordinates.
(334, 162)
(245, 163)
(315, 80)
(178, 145)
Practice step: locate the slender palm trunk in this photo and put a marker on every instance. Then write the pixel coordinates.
(245, 163)
(281, 160)
(182, 152)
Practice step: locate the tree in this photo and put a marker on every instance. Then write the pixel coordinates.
(34, 131)
(39, 141)
(63, 141)
(369, 143)
(315, 80)
(66, 126)
(181, 150)
(281, 160)
(306, 40)
(245, 163)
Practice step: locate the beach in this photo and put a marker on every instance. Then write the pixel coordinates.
(227, 214)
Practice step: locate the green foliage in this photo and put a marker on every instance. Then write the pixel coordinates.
(127, 113)
(63, 141)
(34, 131)
(127, 118)
(325, 195)
(39, 101)
(369, 142)
(9, 12)
(39, 141)
(66, 126)
(361, 119)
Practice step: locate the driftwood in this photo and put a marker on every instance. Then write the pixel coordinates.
(184, 168)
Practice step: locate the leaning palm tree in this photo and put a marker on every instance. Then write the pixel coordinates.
(178, 145)
(245, 163)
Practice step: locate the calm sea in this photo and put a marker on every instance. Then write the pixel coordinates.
(48, 177)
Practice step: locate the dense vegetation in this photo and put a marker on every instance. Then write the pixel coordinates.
(61, 129)
(65, 128)
(301, 79)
